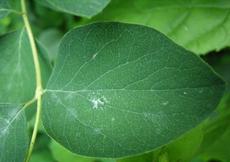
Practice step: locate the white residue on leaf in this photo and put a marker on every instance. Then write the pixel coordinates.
(165, 103)
(98, 103)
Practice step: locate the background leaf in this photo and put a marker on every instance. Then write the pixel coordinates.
(13, 133)
(51, 38)
(215, 145)
(84, 8)
(120, 89)
(198, 25)
(17, 69)
(63, 155)
(186, 147)
(8, 6)
(17, 87)
(4, 8)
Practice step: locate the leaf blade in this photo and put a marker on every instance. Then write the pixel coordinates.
(185, 22)
(13, 133)
(17, 87)
(80, 8)
(114, 81)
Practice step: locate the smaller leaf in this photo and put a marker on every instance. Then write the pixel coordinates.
(198, 25)
(17, 87)
(61, 154)
(51, 38)
(43, 156)
(146, 157)
(219, 149)
(4, 8)
(13, 133)
(8, 6)
(82, 8)
(185, 148)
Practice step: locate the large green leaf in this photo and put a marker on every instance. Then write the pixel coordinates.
(85, 8)
(17, 87)
(198, 25)
(120, 89)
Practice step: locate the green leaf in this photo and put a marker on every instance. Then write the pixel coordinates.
(17, 81)
(17, 87)
(198, 25)
(120, 89)
(41, 151)
(8, 6)
(219, 150)
(86, 8)
(63, 155)
(185, 148)
(13, 133)
(221, 63)
(216, 143)
(4, 5)
(51, 38)
(147, 157)
(42, 156)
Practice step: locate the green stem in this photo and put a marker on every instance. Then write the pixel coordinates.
(39, 89)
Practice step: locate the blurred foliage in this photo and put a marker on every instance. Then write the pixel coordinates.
(209, 142)
(198, 25)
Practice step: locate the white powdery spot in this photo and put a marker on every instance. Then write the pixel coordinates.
(165, 103)
(185, 93)
(98, 103)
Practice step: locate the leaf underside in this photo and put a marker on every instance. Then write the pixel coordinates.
(119, 89)
(198, 25)
(84, 8)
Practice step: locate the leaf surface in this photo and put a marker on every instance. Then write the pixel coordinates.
(51, 38)
(13, 133)
(3, 8)
(85, 8)
(17, 87)
(8, 6)
(119, 89)
(198, 25)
